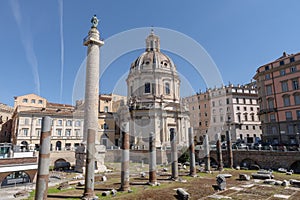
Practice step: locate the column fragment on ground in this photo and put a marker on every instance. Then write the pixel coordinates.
(44, 160)
(174, 156)
(192, 152)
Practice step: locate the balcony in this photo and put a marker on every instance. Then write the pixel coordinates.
(267, 110)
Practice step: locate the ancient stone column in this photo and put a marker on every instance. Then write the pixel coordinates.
(192, 152)
(125, 161)
(152, 159)
(229, 149)
(44, 160)
(207, 153)
(174, 156)
(219, 152)
(90, 165)
(91, 99)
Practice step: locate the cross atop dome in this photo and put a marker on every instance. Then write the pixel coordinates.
(152, 42)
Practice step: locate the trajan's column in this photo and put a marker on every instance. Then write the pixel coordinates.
(93, 43)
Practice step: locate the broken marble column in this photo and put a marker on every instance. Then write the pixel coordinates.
(44, 160)
(174, 156)
(152, 160)
(207, 153)
(192, 152)
(125, 159)
(219, 152)
(229, 149)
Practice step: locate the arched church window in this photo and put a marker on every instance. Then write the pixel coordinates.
(147, 87)
(167, 88)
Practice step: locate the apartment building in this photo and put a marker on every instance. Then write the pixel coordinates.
(66, 123)
(5, 122)
(279, 99)
(228, 108)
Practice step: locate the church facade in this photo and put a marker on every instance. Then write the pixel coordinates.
(154, 99)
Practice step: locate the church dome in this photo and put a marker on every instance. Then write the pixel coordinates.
(153, 74)
(153, 58)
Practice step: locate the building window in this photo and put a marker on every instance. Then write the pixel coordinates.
(246, 117)
(245, 108)
(284, 86)
(69, 123)
(40, 102)
(247, 128)
(288, 115)
(220, 102)
(213, 104)
(267, 68)
(105, 126)
(221, 119)
(25, 100)
(292, 59)
(251, 108)
(68, 132)
(282, 72)
(297, 98)
(106, 109)
(293, 69)
(147, 88)
(32, 100)
(167, 88)
(252, 117)
(295, 84)
(26, 121)
(58, 132)
(290, 129)
(25, 131)
(59, 122)
(238, 108)
(281, 62)
(239, 118)
(227, 101)
(274, 130)
(77, 132)
(237, 100)
(267, 76)
(269, 89)
(39, 122)
(37, 132)
(272, 118)
(286, 100)
(298, 115)
(271, 103)
(221, 110)
(77, 123)
(253, 127)
(214, 119)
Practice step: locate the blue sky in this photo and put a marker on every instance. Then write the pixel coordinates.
(41, 41)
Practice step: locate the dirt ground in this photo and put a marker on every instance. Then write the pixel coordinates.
(199, 187)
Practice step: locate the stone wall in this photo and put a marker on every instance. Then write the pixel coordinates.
(264, 159)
